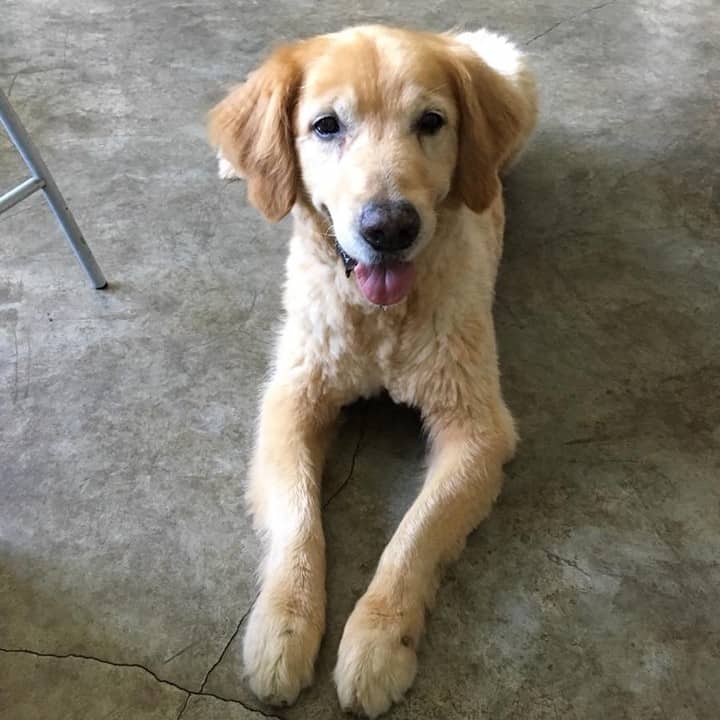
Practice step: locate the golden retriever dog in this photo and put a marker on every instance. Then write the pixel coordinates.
(386, 145)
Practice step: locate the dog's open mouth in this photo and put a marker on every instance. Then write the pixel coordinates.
(385, 283)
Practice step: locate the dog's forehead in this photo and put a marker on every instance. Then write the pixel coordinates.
(375, 67)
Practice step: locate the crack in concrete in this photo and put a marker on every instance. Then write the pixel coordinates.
(180, 652)
(12, 85)
(145, 669)
(184, 706)
(559, 560)
(348, 477)
(227, 646)
(567, 20)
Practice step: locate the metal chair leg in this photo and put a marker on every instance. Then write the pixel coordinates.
(43, 180)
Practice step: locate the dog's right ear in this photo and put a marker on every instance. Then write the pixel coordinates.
(252, 128)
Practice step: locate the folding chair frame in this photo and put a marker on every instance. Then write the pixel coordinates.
(42, 180)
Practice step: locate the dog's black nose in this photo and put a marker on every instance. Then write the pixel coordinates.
(389, 226)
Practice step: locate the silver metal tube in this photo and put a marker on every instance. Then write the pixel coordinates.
(25, 189)
(31, 156)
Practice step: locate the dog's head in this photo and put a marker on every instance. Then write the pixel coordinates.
(375, 129)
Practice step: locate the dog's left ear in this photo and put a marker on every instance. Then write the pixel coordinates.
(253, 130)
(492, 125)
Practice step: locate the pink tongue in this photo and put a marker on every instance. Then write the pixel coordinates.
(385, 284)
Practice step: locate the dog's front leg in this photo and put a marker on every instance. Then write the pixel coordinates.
(377, 656)
(288, 619)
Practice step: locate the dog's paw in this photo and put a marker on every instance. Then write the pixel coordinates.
(279, 653)
(376, 662)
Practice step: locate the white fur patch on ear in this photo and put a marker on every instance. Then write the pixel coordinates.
(225, 170)
(497, 51)
(507, 60)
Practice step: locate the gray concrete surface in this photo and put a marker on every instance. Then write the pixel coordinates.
(126, 562)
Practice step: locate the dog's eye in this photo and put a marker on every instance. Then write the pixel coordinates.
(326, 126)
(430, 122)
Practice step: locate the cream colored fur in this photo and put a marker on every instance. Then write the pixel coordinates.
(435, 350)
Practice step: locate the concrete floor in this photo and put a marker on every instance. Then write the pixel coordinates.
(126, 561)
